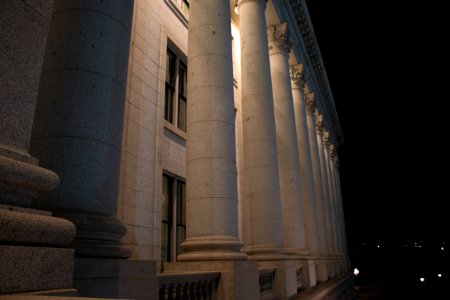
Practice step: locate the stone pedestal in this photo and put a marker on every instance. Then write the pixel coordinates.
(115, 278)
(77, 126)
(238, 279)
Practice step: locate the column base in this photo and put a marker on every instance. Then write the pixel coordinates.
(266, 253)
(238, 279)
(20, 181)
(211, 249)
(97, 236)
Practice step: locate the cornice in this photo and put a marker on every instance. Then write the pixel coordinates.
(313, 55)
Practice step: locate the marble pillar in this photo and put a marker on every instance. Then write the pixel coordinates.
(262, 206)
(332, 167)
(304, 153)
(289, 168)
(211, 198)
(77, 128)
(32, 242)
(318, 190)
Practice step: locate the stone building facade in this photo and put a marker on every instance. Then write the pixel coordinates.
(158, 148)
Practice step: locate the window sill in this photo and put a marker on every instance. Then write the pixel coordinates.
(174, 129)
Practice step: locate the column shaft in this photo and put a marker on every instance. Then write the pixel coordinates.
(77, 129)
(262, 190)
(304, 154)
(334, 230)
(326, 195)
(288, 163)
(211, 198)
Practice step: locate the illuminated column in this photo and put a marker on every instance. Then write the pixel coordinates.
(337, 225)
(326, 192)
(331, 201)
(77, 129)
(318, 192)
(262, 207)
(288, 163)
(211, 198)
(304, 154)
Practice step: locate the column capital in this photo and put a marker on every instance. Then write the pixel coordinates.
(297, 75)
(309, 101)
(332, 149)
(279, 37)
(318, 118)
(326, 138)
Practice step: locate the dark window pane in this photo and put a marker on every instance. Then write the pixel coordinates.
(181, 203)
(181, 236)
(166, 199)
(183, 79)
(168, 103)
(165, 242)
(182, 113)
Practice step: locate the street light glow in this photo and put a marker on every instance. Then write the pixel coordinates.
(439, 275)
(422, 279)
(356, 272)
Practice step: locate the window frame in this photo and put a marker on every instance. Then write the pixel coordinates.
(172, 114)
(175, 185)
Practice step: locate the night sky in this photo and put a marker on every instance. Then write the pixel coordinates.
(382, 63)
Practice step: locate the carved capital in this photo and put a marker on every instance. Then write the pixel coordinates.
(319, 122)
(332, 149)
(326, 137)
(337, 163)
(297, 75)
(279, 37)
(309, 101)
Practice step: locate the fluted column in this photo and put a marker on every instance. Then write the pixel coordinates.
(77, 129)
(262, 189)
(318, 190)
(211, 196)
(304, 153)
(288, 163)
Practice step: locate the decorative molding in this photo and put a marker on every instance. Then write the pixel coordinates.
(314, 57)
(326, 138)
(297, 75)
(279, 36)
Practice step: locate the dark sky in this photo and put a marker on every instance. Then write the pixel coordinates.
(382, 63)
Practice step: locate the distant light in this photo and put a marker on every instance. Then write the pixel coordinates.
(422, 279)
(356, 272)
(439, 275)
(442, 248)
(420, 246)
(378, 246)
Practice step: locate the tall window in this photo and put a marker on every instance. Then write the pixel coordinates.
(173, 217)
(176, 88)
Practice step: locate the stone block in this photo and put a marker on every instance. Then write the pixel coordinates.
(115, 278)
(34, 268)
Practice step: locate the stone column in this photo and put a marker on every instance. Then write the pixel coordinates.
(211, 198)
(32, 242)
(336, 225)
(262, 189)
(318, 191)
(304, 154)
(325, 188)
(288, 163)
(326, 145)
(77, 129)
